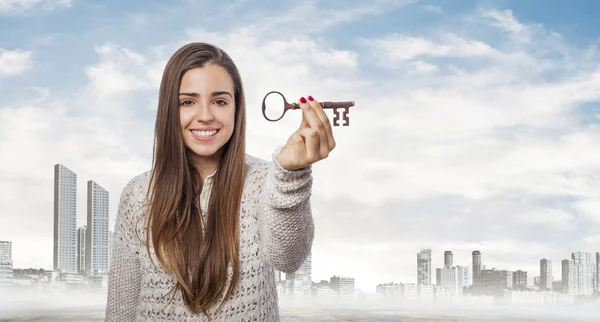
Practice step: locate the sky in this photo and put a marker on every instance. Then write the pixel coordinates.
(476, 123)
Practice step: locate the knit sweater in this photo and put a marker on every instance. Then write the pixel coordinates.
(276, 232)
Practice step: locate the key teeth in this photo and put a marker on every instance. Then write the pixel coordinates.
(336, 118)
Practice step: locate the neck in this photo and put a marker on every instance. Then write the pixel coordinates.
(206, 165)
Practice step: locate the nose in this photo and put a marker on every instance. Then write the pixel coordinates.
(204, 113)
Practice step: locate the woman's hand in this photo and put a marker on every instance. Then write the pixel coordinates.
(312, 141)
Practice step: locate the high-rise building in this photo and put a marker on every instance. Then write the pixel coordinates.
(111, 235)
(546, 278)
(301, 281)
(520, 279)
(424, 267)
(344, 286)
(598, 272)
(96, 243)
(6, 249)
(448, 258)
(452, 278)
(81, 249)
(476, 269)
(583, 269)
(569, 285)
(65, 218)
(494, 281)
(6, 264)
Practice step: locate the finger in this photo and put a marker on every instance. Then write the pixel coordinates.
(326, 123)
(311, 145)
(310, 115)
(304, 122)
(311, 112)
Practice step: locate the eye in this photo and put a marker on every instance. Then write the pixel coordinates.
(221, 102)
(185, 102)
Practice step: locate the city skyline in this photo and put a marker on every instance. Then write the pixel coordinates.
(460, 276)
(474, 127)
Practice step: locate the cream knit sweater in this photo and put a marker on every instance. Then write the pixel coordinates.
(276, 232)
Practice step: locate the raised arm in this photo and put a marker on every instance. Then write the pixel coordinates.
(124, 274)
(285, 215)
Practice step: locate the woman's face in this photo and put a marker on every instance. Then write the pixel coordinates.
(206, 110)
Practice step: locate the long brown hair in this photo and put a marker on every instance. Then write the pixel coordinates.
(197, 256)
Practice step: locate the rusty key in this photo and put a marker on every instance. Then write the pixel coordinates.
(342, 108)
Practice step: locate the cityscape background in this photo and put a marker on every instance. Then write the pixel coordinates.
(476, 128)
(81, 262)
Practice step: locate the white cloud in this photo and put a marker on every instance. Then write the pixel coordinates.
(120, 70)
(14, 62)
(504, 20)
(21, 6)
(434, 9)
(425, 67)
(394, 49)
(296, 20)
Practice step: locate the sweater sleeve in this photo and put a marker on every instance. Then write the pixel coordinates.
(124, 273)
(286, 222)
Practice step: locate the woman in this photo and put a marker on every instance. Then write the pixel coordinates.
(198, 238)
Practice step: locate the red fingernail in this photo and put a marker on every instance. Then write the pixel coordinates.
(303, 100)
(310, 98)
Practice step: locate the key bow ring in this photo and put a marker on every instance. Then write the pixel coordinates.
(342, 108)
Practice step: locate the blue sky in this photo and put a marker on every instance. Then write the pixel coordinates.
(476, 124)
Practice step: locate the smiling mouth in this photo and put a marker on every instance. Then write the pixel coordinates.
(204, 134)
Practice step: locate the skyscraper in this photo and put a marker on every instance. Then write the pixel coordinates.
(344, 286)
(65, 217)
(520, 280)
(424, 267)
(598, 272)
(301, 281)
(546, 278)
(448, 258)
(81, 249)
(476, 269)
(568, 277)
(583, 270)
(5, 249)
(96, 244)
(6, 265)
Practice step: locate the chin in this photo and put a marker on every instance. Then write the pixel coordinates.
(204, 151)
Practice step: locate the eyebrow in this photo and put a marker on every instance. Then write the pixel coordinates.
(213, 94)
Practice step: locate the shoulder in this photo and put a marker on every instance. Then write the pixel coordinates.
(138, 183)
(135, 191)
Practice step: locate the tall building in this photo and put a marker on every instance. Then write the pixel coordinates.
(344, 286)
(424, 267)
(546, 278)
(6, 264)
(569, 286)
(5, 249)
(476, 269)
(111, 235)
(65, 218)
(301, 282)
(598, 272)
(583, 269)
(81, 249)
(96, 243)
(452, 278)
(520, 279)
(448, 258)
(494, 281)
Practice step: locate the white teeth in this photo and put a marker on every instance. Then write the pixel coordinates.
(204, 133)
